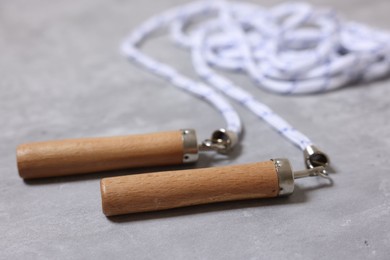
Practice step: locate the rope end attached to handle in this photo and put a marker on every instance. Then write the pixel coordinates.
(221, 141)
(314, 157)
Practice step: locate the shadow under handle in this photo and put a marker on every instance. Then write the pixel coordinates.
(86, 155)
(173, 189)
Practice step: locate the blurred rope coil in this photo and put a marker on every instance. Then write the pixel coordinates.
(291, 48)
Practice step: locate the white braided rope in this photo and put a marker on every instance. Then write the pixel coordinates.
(289, 49)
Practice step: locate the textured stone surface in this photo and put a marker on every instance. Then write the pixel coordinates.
(61, 76)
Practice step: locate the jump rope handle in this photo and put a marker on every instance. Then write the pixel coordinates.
(173, 189)
(78, 156)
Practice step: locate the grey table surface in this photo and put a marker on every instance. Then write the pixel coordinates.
(61, 76)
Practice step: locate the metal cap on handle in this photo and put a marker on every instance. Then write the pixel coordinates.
(190, 146)
(286, 175)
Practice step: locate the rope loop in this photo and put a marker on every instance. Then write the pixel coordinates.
(291, 48)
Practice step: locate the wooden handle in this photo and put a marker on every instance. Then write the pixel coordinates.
(76, 156)
(172, 189)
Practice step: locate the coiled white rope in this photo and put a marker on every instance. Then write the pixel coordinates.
(288, 49)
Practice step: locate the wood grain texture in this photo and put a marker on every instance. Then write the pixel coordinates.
(172, 189)
(77, 156)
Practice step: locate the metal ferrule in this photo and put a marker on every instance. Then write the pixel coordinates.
(221, 141)
(314, 157)
(225, 137)
(190, 146)
(285, 176)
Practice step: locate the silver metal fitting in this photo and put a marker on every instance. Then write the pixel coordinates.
(316, 171)
(190, 146)
(221, 141)
(314, 157)
(285, 176)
